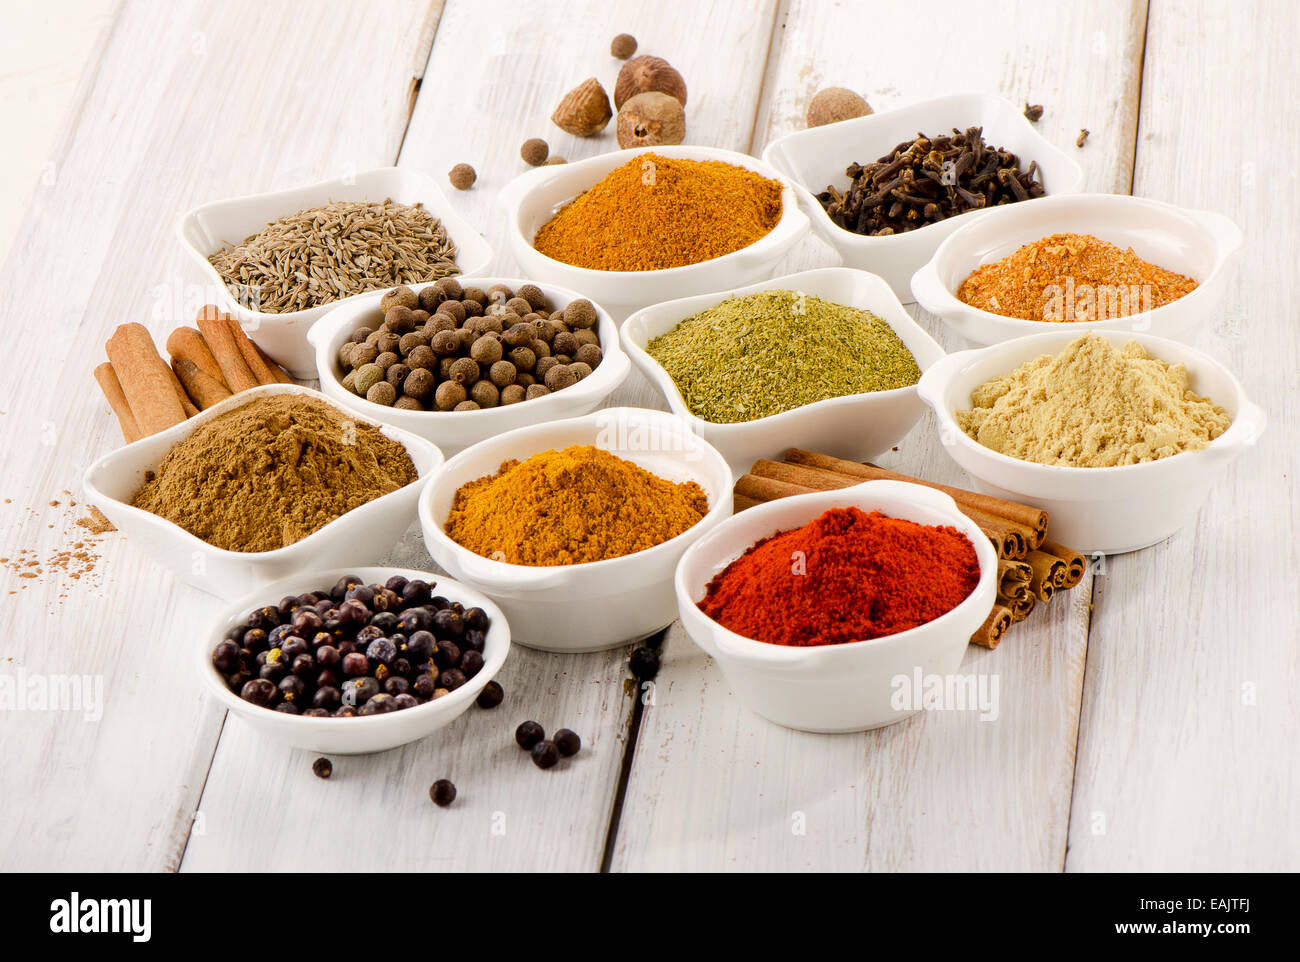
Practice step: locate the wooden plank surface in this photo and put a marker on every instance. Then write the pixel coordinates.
(713, 786)
(188, 103)
(1188, 759)
(483, 94)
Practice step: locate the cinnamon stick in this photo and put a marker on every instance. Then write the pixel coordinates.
(995, 626)
(252, 357)
(148, 384)
(1022, 605)
(739, 503)
(1075, 564)
(1009, 539)
(1012, 573)
(1045, 568)
(221, 340)
(279, 373)
(187, 344)
(1023, 514)
(112, 388)
(205, 389)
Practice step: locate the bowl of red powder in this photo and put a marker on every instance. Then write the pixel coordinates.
(818, 608)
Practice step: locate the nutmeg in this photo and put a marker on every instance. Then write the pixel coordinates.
(645, 74)
(585, 110)
(833, 105)
(651, 119)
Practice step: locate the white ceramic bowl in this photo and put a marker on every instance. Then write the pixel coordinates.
(371, 733)
(363, 535)
(1094, 510)
(832, 688)
(209, 228)
(856, 427)
(1198, 243)
(533, 197)
(818, 157)
(600, 604)
(454, 430)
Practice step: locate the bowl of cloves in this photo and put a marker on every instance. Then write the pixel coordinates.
(886, 189)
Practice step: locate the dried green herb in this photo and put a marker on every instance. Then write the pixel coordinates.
(755, 356)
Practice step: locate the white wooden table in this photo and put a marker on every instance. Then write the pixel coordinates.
(1148, 720)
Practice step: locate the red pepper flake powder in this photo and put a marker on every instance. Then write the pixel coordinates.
(846, 576)
(1072, 277)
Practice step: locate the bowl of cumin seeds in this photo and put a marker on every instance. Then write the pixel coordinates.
(278, 261)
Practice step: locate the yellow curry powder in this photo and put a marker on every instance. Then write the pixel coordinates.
(569, 507)
(657, 212)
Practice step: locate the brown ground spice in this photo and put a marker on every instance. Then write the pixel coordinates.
(655, 213)
(1072, 277)
(572, 506)
(271, 472)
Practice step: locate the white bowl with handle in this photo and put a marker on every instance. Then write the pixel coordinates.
(1200, 244)
(833, 688)
(361, 734)
(453, 431)
(856, 427)
(599, 604)
(532, 198)
(817, 158)
(211, 227)
(1095, 510)
(360, 536)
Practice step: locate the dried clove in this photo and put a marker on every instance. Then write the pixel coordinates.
(929, 179)
(1083, 136)
(1033, 112)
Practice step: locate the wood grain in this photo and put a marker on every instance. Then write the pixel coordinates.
(899, 798)
(183, 106)
(1187, 759)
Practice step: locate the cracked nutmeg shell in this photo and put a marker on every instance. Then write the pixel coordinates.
(585, 109)
(645, 74)
(651, 120)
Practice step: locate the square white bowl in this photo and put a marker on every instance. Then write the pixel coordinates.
(599, 604)
(855, 427)
(373, 733)
(453, 431)
(361, 536)
(207, 229)
(1198, 243)
(818, 157)
(532, 198)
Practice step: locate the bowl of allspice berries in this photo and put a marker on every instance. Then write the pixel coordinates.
(460, 360)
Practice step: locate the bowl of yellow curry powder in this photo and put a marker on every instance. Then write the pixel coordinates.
(575, 527)
(635, 227)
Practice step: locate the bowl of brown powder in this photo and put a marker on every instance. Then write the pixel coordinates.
(264, 485)
(1118, 436)
(1086, 261)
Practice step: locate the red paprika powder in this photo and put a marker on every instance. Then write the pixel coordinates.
(846, 576)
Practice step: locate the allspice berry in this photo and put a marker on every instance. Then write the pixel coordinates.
(560, 377)
(651, 119)
(584, 111)
(403, 296)
(557, 159)
(833, 105)
(449, 394)
(622, 46)
(485, 394)
(462, 176)
(382, 393)
(580, 314)
(534, 151)
(512, 394)
(589, 354)
(464, 370)
(533, 295)
(645, 74)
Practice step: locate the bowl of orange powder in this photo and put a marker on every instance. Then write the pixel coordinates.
(575, 527)
(823, 610)
(1105, 262)
(635, 227)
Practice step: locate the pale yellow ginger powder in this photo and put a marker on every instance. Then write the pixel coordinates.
(1093, 406)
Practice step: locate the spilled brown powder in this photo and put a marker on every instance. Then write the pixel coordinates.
(271, 472)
